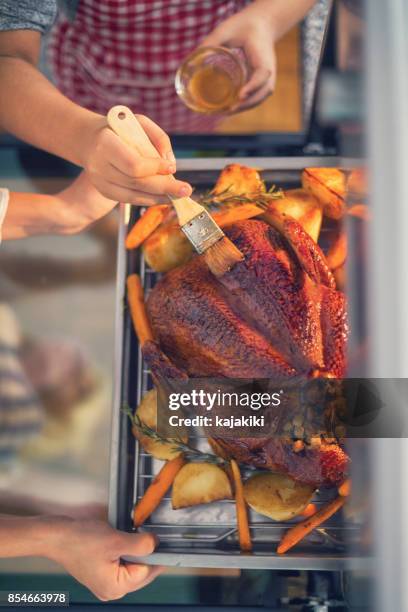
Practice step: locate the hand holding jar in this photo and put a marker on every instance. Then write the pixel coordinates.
(234, 69)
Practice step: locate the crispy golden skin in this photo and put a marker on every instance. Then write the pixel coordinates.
(239, 179)
(328, 185)
(304, 207)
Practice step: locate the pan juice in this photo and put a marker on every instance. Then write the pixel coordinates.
(213, 88)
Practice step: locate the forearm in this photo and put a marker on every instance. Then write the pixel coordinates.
(282, 14)
(33, 214)
(31, 536)
(67, 212)
(35, 111)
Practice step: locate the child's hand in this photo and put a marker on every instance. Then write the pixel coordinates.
(91, 551)
(121, 174)
(251, 31)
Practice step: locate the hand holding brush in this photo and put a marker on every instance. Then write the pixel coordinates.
(197, 224)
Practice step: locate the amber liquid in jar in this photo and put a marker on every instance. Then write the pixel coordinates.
(212, 89)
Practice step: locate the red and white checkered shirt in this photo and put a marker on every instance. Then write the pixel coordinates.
(128, 51)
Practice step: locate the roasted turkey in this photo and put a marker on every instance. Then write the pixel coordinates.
(273, 315)
(277, 315)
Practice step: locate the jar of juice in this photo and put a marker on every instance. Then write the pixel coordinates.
(209, 80)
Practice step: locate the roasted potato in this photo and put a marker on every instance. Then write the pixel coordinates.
(147, 412)
(167, 248)
(200, 483)
(328, 185)
(239, 180)
(276, 496)
(304, 207)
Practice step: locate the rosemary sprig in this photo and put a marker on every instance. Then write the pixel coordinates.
(191, 453)
(225, 198)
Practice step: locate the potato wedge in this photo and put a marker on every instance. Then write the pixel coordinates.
(147, 412)
(328, 185)
(167, 248)
(277, 496)
(200, 483)
(239, 179)
(304, 207)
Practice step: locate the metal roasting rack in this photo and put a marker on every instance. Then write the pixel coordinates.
(205, 536)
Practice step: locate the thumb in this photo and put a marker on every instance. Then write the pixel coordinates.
(136, 544)
(132, 576)
(215, 38)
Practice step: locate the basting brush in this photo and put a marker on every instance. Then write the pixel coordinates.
(196, 223)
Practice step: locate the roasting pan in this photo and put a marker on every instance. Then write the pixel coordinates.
(204, 536)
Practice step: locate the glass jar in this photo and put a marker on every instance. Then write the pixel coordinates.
(210, 78)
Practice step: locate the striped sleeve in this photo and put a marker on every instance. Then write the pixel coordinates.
(21, 413)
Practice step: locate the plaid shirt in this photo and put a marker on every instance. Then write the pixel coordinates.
(128, 51)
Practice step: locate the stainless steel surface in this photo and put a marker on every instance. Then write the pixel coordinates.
(270, 163)
(206, 536)
(264, 561)
(117, 363)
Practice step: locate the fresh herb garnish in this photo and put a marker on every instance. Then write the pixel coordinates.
(190, 453)
(227, 197)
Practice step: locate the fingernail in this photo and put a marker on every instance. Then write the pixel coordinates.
(185, 191)
(170, 157)
(171, 168)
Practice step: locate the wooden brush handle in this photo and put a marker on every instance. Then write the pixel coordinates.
(125, 125)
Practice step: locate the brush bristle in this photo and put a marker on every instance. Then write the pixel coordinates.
(222, 256)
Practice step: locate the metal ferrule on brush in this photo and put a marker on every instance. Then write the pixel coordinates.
(202, 231)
